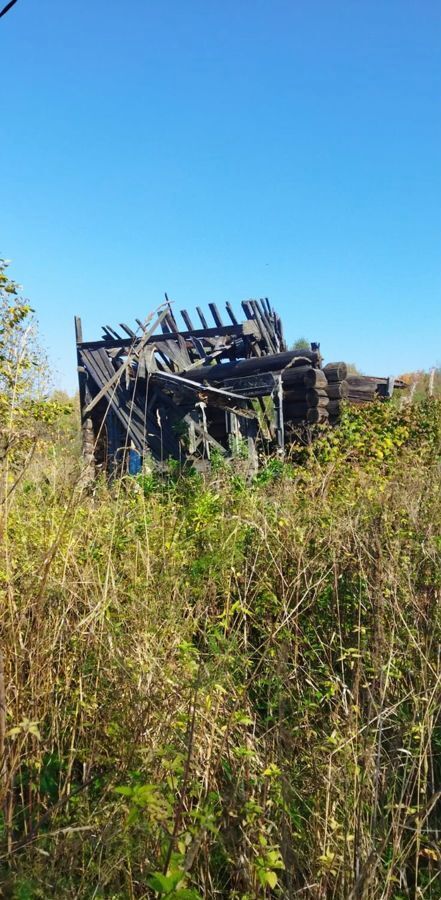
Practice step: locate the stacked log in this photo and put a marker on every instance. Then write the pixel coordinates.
(362, 389)
(304, 396)
(277, 362)
(337, 389)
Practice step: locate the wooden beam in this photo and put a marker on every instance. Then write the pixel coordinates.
(128, 331)
(116, 377)
(245, 328)
(216, 315)
(253, 366)
(213, 396)
(202, 318)
(231, 313)
(186, 319)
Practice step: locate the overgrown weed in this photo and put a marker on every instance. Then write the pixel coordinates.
(223, 689)
(217, 688)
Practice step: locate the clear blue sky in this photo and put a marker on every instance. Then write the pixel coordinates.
(226, 149)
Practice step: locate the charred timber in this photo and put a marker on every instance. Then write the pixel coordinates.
(334, 407)
(276, 362)
(337, 390)
(294, 410)
(336, 371)
(315, 397)
(316, 415)
(304, 375)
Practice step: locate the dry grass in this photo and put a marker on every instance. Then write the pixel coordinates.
(257, 667)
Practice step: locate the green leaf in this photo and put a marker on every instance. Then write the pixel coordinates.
(186, 894)
(270, 878)
(125, 791)
(162, 884)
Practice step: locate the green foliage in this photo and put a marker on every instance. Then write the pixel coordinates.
(301, 344)
(219, 688)
(26, 413)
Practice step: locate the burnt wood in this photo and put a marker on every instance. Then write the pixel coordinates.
(336, 371)
(269, 363)
(337, 390)
(316, 415)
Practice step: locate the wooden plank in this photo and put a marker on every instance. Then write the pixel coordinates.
(176, 353)
(213, 396)
(106, 333)
(202, 318)
(112, 331)
(174, 324)
(115, 376)
(128, 330)
(270, 325)
(78, 330)
(231, 313)
(253, 366)
(186, 319)
(233, 331)
(216, 315)
(278, 407)
(134, 419)
(266, 336)
(252, 385)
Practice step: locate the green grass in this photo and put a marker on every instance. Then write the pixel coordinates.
(217, 688)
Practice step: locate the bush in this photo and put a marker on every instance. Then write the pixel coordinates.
(223, 690)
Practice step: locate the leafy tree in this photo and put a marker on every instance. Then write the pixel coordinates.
(25, 410)
(301, 344)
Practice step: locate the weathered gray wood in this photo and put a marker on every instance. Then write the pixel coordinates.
(334, 408)
(316, 415)
(231, 313)
(336, 371)
(247, 309)
(294, 396)
(111, 331)
(264, 328)
(202, 392)
(128, 331)
(315, 378)
(202, 318)
(251, 385)
(337, 390)
(293, 410)
(140, 426)
(317, 398)
(216, 314)
(233, 331)
(171, 315)
(186, 319)
(253, 366)
(279, 412)
(78, 330)
(88, 440)
(114, 377)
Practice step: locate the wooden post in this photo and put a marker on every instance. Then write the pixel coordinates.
(278, 406)
(88, 435)
(390, 386)
(431, 382)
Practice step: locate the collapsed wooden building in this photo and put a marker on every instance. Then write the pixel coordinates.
(163, 392)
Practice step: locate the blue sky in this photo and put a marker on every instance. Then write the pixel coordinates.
(226, 150)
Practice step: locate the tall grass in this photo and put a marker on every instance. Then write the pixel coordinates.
(223, 689)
